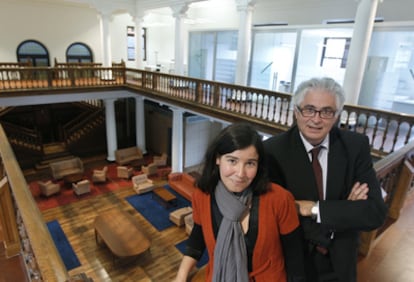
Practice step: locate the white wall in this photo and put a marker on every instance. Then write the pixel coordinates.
(199, 132)
(55, 26)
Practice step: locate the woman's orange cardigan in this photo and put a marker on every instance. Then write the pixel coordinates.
(276, 214)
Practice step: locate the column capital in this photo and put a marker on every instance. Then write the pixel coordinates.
(243, 5)
(138, 15)
(105, 15)
(139, 98)
(179, 9)
(369, 0)
(109, 100)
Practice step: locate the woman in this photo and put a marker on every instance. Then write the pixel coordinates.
(246, 223)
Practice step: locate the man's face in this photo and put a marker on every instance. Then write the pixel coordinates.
(315, 128)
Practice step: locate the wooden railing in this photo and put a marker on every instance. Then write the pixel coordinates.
(24, 137)
(84, 124)
(271, 112)
(395, 173)
(29, 234)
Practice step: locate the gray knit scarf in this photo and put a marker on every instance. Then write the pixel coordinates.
(230, 254)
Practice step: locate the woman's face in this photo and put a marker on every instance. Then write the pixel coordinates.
(238, 168)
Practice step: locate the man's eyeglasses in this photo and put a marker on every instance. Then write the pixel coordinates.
(325, 113)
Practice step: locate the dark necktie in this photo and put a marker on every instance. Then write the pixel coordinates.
(317, 170)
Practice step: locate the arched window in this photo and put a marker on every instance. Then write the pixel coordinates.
(79, 53)
(34, 52)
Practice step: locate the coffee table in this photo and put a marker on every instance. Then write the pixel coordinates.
(165, 197)
(121, 233)
(72, 178)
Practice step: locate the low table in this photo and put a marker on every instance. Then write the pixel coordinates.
(121, 233)
(72, 178)
(165, 197)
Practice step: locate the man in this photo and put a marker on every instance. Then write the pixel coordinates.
(350, 198)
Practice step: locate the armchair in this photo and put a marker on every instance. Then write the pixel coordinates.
(124, 172)
(160, 160)
(99, 175)
(48, 188)
(142, 184)
(81, 187)
(149, 169)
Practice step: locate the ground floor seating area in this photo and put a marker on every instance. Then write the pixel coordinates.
(50, 191)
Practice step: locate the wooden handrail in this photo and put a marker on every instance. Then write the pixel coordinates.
(395, 175)
(39, 243)
(23, 137)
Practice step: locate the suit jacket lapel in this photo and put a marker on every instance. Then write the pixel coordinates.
(337, 168)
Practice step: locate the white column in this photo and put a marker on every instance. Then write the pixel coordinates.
(140, 124)
(245, 8)
(177, 155)
(138, 42)
(106, 39)
(111, 135)
(358, 51)
(179, 11)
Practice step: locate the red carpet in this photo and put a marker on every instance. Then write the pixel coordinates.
(66, 195)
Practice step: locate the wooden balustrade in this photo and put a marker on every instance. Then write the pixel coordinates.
(23, 137)
(83, 124)
(42, 259)
(395, 173)
(271, 111)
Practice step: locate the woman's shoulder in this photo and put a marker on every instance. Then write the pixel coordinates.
(198, 194)
(277, 191)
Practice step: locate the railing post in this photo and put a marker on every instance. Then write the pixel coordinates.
(403, 184)
(8, 219)
(216, 98)
(198, 96)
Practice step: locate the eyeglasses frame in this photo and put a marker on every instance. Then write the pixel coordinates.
(316, 112)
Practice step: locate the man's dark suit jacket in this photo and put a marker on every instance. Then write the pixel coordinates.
(349, 160)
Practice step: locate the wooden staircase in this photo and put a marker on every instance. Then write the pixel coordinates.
(53, 152)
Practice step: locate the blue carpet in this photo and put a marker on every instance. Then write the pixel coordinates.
(155, 213)
(204, 258)
(63, 246)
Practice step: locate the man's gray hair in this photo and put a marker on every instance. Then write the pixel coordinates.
(324, 83)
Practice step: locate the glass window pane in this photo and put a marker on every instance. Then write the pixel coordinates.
(78, 52)
(272, 60)
(311, 52)
(31, 47)
(201, 55)
(225, 64)
(388, 82)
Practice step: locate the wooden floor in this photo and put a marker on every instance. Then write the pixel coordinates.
(389, 260)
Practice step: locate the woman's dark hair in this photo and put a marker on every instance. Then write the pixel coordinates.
(236, 136)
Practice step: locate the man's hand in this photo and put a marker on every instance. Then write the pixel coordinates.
(305, 207)
(359, 192)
